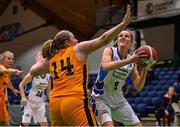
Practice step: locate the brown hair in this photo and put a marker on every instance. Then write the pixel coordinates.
(60, 39)
(46, 48)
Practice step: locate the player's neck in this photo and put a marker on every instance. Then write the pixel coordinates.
(122, 52)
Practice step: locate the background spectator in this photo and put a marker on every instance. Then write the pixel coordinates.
(165, 114)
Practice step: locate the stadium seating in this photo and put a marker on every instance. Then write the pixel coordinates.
(130, 100)
(147, 101)
(160, 93)
(156, 101)
(154, 82)
(149, 88)
(152, 94)
(134, 107)
(141, 109)
(157, 88)
(138, 100)
(144, 93)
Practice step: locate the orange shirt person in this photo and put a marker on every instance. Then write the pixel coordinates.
(69, 102)
(6, 61)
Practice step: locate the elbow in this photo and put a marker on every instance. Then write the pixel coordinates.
(32, 72)
(20, 87)
(138, 88)
(105, 67)
(104, 39)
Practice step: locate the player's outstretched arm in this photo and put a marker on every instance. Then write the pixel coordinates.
(10, 71)
(86, 47)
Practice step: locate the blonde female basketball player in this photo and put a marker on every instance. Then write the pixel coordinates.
(116, 66)
(6, 62)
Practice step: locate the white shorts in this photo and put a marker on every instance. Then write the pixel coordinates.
(39, 113)
(122, 113)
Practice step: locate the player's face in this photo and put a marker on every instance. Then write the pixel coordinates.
(124, 39)
(8, 61)
(72, 40)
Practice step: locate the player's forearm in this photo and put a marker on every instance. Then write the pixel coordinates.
(141, 81)
(111, 34)
(111, 65)
(8, 71)
(88, 47)
(21, 88)
(12, 71)
(23, 83)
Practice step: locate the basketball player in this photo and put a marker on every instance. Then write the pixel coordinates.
(116, 66)
(69, 102)
(6, 62)
(33, 105)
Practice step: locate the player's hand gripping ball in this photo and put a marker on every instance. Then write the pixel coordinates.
(151, 55)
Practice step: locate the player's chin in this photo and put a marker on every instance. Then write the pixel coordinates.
(122, 45)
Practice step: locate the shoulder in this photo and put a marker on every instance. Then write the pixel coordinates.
(108, 49)
(1, 66)
(2, 69)
(107, 52)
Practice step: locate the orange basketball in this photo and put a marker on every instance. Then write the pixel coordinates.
(150, 52)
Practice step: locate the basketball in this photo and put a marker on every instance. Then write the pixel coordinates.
(150, 52)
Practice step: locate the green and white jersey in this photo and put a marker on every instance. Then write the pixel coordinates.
(108, 84)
